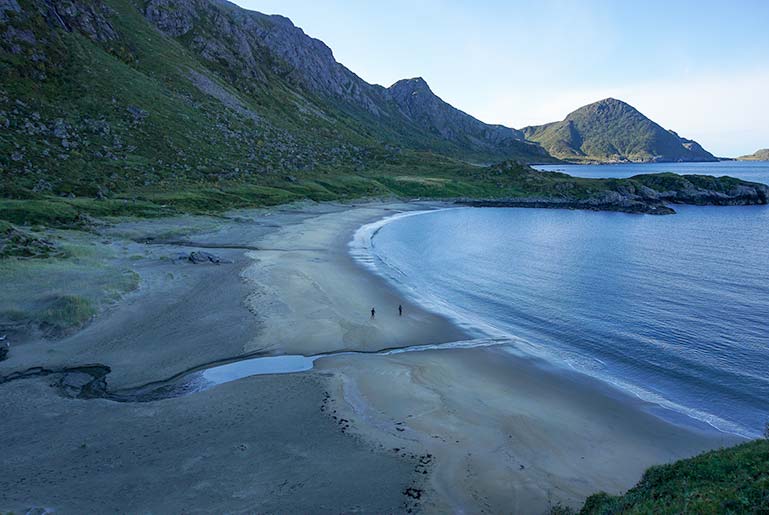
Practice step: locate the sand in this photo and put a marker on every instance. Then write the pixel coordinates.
(467, 430)
(259, 445)
(508, 434)
(314, 298)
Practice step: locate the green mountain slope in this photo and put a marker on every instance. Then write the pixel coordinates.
(149, 107)
(612, 131)
(123, 95)
(758, 155)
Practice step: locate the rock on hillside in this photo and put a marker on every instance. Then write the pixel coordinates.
(247, 41)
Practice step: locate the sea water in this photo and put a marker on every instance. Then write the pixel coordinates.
(672, 308)
(754, 171)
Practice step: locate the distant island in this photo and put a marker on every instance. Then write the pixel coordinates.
(612, 131)
(758, 155)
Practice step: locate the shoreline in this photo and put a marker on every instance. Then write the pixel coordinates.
(362, 251)
(663, 433)
(315, 281)
(354, 405)
(307, 295)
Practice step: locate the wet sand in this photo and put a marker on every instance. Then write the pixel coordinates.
(463, 421)
(508, 434)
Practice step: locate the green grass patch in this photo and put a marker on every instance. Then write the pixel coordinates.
(734, 480)
(65, 312)
(48, 212)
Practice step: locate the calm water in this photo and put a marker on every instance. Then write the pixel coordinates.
(673, 308)
(746, 170)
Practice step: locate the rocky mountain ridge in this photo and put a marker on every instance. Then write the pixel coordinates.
(417, 101)
(247, 42)
(115, 107)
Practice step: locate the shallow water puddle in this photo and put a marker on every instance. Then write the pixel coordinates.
(91, 382)
(290, 364)
(204, 378)
(258, 366)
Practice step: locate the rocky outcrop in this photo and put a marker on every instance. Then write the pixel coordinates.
(197, 257)
(249, 42)
(17, 243)
(20, 32)
(89, 18)
(702, 190)
(173, 18)
(648, 194)
(609, 201)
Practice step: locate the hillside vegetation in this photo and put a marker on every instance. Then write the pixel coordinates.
(734, 480)
(99, 98)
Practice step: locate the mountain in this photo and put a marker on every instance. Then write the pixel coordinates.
(419, 104)
(238, 35)
(155, 107)
(612, 131)
(758, 155)
(105, 96)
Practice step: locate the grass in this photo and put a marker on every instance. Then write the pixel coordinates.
(62, 291)
(65, 312)
(725, 481)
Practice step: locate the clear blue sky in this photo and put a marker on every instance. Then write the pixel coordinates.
(698, 67)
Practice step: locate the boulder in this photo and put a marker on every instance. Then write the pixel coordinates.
(198, 256)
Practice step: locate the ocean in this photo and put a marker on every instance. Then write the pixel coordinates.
(755, 171)
(674, 309)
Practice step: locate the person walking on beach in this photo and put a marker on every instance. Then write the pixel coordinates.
(373, 313)
(400, 310)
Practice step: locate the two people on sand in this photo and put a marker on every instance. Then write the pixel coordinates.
(400, 311)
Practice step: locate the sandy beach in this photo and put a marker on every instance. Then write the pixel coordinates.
(478, 430)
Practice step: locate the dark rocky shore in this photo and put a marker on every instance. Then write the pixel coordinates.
(643, 194)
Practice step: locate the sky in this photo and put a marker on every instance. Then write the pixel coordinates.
(700, 67)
